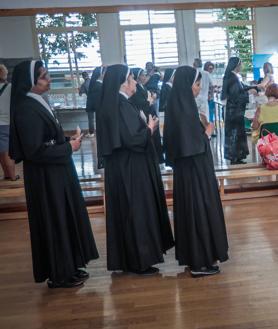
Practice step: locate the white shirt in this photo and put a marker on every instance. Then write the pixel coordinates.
(202, 98)
(5, 105)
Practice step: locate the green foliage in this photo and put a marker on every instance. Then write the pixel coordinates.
(240, 36)
(53, 44)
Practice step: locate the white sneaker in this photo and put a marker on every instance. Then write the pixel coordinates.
(89, 135)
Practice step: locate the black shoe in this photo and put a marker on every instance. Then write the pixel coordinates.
(71, 283)
(82, 274)
(204, 271)
(149, 271)
(235, 162)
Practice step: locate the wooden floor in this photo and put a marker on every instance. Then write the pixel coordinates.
(243, 296)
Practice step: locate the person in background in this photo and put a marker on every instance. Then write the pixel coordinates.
(268, 78)
(153, 77)
(266, 113)
(137, 222)
(209, 67)
(236, 98)
(200, 231)
(94, 97)
(143, 100)
(6, 162)
(62, 240)
(202, 98)
(149, 67)
(167, 84)
(84, 88)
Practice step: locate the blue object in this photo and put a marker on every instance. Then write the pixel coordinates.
(258, 61)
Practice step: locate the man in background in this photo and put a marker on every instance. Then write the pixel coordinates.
(85, 85)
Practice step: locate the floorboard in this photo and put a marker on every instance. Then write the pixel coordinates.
(243, 296)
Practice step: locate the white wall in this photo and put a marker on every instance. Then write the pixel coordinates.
(110, 39)
(188, 47)
(16, 37)
(266, 30)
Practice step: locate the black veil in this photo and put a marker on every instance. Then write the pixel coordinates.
(136, 72)
(22, 81)
(108, 133)
(98, 71)
(232, 64)
(183, 132)
(168, 75)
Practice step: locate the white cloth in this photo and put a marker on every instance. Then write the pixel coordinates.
(124, 94)
(202, 98)
(42, 101)
(5, 105)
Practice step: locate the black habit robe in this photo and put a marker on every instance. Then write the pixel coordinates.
(138, 227)
(61, 234)
(235, 146)
(200, 233)
(236, 95)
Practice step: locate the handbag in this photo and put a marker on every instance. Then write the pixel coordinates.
(268, 149)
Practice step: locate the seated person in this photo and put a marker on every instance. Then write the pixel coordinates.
(268, 78)
(266, 113)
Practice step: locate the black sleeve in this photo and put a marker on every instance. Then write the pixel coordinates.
(238, 94)
(93, 99)
(135, 135)
(31, 129)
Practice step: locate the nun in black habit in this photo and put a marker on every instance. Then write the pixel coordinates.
(62, 241)
(236, 96)
(200, 231)
(143, 101)
(166, 88)
(94, 96)
(137, 223)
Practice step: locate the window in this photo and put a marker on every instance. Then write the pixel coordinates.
(149, 36)
(224, 33)
(69, 45)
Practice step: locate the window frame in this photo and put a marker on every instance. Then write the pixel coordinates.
(149, 27)
(223, 24)
(72, 71)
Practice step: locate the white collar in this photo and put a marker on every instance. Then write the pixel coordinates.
(169, 84)
(32, 72)
(99, 81)
(42, 101)
(124, 94)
